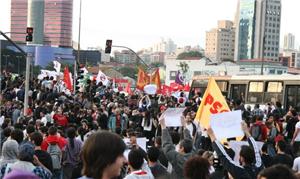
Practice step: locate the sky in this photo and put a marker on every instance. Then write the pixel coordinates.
(141, 23)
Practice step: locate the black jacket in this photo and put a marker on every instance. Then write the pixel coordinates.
(237, 171)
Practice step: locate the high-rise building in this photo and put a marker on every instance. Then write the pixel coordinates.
(258, 30)
(220, 42)
(289, 42)
(165, 46)
(18, 21)
(57, 17)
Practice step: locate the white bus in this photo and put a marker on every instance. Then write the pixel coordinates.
(253, 89)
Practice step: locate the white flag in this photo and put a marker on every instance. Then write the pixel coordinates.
(57, 66)
(101, 77)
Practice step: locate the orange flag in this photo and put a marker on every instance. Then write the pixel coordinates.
(213, 102)
(67, 79)
(155, 79)
(143, 79)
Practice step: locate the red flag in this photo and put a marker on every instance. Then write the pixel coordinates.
(128, 88)
(155, 79)
(143, 79)
(166, 90)
(187, 87)
(67, 79)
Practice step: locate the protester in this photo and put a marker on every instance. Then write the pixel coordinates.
(157, 169)
(71, 158)
(36, 138)
(196, 167)
(250, 160)
(177, 159)
(10, 151)
(100, 158)
(277, 172)
(26, 163)
(281, 157)
(138, 166)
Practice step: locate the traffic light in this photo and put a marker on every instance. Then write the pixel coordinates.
(108, 46)
(29, 32)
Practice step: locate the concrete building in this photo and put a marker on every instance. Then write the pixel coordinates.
(125, 57)
(165, 46)
(289, 42)
(220, 42)
(258, 30)
(51, 19)
(199, 67)
(294, 58)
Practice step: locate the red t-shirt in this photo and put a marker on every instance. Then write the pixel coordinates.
(60, 119)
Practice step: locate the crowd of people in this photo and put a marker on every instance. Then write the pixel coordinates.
(81, 135)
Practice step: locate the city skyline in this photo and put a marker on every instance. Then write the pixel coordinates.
(140, 24)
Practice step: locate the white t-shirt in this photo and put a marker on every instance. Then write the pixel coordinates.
(296, 165)
(297, 126)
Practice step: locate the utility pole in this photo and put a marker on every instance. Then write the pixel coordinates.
(78, 49)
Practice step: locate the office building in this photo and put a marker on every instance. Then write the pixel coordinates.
(55, 15)
(220, 42)
(258, 30)
(289, 42)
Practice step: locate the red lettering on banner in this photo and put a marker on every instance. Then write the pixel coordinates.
(209, 99)
(216, 105)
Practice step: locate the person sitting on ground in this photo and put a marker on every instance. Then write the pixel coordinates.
(250, 159)
(138, 166)
(157, 169)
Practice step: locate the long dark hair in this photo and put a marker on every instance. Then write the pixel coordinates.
(71, 133)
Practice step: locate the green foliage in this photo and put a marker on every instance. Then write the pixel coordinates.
(128, 71)
(184, 67)
(156, 64)
(185, 55)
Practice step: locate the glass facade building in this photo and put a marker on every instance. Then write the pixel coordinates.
(246, 29)
(58, 16)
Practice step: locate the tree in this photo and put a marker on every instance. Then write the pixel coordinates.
(185, 55)
(184, 67)
(156, 64)
(128, 71)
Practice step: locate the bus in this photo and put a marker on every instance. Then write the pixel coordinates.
(255, 89)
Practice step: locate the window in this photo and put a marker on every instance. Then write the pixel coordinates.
(274, 87)
(222, 85)
(256, 87)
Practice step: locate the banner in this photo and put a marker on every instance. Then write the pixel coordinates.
(56, 66)
(101, 77)
(143, 79)
(213, 102)
(155, 79)
(179, 78)
(227, 124)
(67, 79)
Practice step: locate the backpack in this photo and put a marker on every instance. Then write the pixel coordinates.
(256, 132)
(56, 155)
